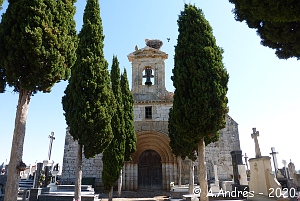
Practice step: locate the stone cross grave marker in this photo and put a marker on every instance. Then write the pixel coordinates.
(254, 136)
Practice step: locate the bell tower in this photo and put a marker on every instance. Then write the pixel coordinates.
(148, 72)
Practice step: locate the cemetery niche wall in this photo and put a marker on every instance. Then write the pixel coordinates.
(153, 165)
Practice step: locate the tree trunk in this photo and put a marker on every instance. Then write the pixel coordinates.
(191, 181)
(77, 193)
(179, 170)
(110, 194)
(120, 184)
(12, 185)
(202, 171)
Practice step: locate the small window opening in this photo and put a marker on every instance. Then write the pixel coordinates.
(148, 112)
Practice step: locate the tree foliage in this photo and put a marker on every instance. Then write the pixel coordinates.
(199, 78)
(277, 23)
(130, 144)
(178, 145)
(1, 2)
(88, 96)
(37, 44)
(37, 50)
(113, 155)
(200, 81)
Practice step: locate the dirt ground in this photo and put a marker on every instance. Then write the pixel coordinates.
(141, 195)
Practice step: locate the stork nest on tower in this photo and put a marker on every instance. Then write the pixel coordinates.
(156, 44)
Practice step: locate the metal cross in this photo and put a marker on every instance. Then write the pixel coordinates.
(51, 136)
(273, 153)
(246, 161)
(254, 136)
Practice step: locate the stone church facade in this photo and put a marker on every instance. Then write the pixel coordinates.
(153, 166)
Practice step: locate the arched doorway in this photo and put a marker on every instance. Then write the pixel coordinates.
(150, 170)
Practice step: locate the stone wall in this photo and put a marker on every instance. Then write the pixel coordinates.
(91, 168)
(218, 153)
(160, 116)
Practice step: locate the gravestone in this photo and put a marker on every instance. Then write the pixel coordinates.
(262, 178)
(239, 173)
(37, 175)
(236, 160)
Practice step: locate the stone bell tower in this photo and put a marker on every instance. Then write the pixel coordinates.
(148, 72)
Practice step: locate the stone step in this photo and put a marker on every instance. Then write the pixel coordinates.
(25, 184)
(72, 188)
(67, 197)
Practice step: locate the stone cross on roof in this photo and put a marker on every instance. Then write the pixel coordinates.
(254, 136)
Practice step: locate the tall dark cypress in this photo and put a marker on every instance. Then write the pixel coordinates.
(200, 81)
(130, 145)
(113, 155)
(37, 50)
(88, 101)
(88, 96)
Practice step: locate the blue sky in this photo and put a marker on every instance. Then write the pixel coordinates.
(263, 90)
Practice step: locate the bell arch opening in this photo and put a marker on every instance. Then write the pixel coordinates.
(148, 76)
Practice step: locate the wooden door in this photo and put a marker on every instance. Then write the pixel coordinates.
(150, 170)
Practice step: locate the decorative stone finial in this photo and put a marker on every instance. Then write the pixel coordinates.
(156, 44)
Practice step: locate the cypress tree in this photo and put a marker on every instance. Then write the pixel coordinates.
(277, 23)
(200, 81)
(113, 155)
(37, 50)
(180, 149)
(130, 145)
(88, 97)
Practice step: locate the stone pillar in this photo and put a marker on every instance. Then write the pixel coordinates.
(164, 172)
(131, 177)
(126, 176)
(123, 176)
(167, 177)
(135, 177)
(175, 173)
(171, 173)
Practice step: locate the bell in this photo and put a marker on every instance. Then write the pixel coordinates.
(148, 81)
(148, 75)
